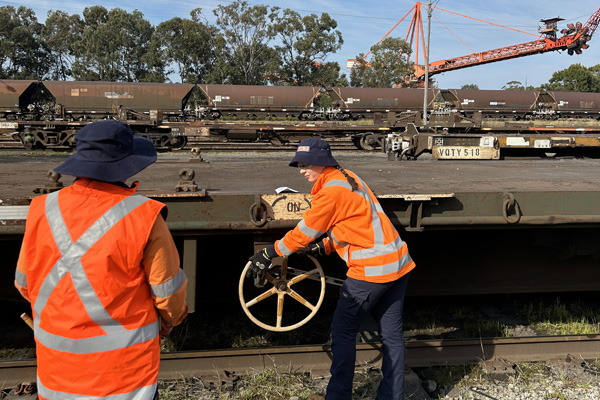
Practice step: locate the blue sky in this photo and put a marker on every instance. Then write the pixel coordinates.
(363, 23)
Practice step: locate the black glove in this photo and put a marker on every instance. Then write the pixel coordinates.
(315, 248)
(260, 262)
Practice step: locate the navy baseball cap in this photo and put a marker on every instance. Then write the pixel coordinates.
(108, 151)
(313, 151)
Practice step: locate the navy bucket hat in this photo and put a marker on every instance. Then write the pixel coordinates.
(313, 151)
(108, 151)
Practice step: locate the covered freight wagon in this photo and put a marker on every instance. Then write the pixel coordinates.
(254, 100)
(85, 99)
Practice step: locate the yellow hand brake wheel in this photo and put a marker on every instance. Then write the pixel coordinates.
(279, 283)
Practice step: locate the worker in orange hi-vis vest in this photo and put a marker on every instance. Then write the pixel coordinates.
(356, 227)
(101, 271)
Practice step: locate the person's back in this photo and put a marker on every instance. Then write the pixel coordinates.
(96, 262)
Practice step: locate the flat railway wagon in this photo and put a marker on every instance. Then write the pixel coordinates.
(472, 229)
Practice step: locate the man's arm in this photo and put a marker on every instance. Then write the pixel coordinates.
(167, 280)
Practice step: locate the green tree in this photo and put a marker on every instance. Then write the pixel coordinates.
(114, 46)
(60, 31)
(470, 86)
(23, 53)
(305, 44)
(190, 45)
(388, 66)
(576, 78)
(516, 85)
(247, 32)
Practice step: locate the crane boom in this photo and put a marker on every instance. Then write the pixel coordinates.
(574, 40)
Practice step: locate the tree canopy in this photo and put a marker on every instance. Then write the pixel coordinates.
(250, 44)
(576, 78)
(388, 66)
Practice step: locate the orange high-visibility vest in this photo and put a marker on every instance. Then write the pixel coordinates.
(356, 226)
(95, 323)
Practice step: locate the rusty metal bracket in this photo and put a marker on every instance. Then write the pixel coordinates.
(196, 156)
(186, 181)
(510, 209)
(415, 211)
(52, 185)
(258, 212)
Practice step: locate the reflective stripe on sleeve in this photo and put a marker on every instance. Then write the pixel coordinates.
(338, 243)
(313, 233)
(169, 287)
(20, 278)
(283, 248)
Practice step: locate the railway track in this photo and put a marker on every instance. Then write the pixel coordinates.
(8, 144)
(220, 365)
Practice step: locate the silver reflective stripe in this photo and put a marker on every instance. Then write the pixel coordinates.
(337, 242)
(377, 226)
(169, 287)
(117, 336)
(379, 247)
(95, 344)
(21, 278)
(313, 233)
(283, 248)
(388, 268)
(145, 393)
(375, 252)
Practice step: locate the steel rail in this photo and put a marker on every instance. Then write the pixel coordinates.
(222, 365)
(213, 145)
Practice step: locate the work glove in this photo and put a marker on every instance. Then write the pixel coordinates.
(260, 262)
(315, 248)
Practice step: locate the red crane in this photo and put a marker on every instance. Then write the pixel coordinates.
(574, 40)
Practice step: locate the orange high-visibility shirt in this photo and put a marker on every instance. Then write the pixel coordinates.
(356, 227)
(97, 262)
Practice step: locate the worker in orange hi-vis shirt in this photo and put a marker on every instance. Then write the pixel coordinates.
(348, 213)
(101, 270)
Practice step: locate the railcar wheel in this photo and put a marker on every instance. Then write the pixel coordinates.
(177, 142)
(277, 276)
(369, 142)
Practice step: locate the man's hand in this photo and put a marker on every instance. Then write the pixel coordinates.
(260, 262)
(165, 327)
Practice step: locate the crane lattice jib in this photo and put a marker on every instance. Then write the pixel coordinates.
(592, 23)
(574, 43)
(503, 53)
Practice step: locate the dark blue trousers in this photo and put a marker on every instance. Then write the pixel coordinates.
(385, 301)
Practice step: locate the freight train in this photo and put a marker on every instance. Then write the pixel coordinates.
(45, 114)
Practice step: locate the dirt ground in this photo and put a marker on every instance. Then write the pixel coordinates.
(21, 173)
